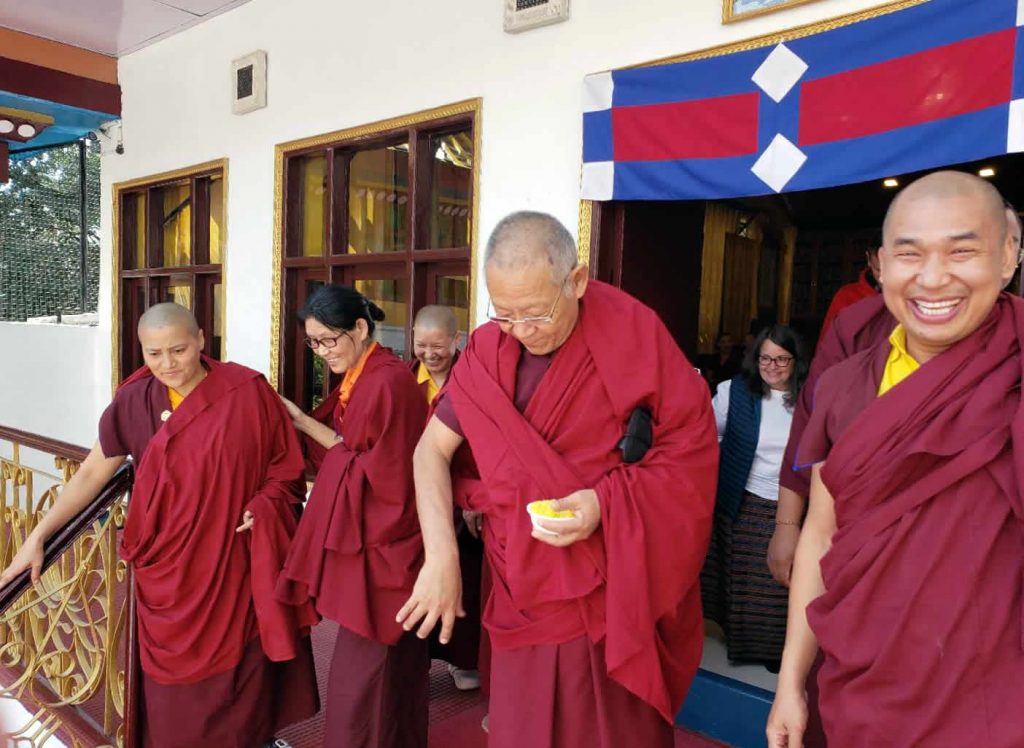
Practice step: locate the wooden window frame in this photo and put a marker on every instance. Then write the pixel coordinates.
(292, 272)
(201, 275)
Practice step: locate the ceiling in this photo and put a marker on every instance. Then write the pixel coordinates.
(863, 205)
(110, 27)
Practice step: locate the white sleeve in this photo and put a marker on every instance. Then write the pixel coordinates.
(720, 404)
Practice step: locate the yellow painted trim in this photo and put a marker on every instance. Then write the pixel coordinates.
(115, 308)
(584, 231)
(469, 106)
(25, 114)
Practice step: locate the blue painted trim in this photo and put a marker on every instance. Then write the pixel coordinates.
(727, 710)
(70, 123)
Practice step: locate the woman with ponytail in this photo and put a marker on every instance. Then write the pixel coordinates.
(358, 547)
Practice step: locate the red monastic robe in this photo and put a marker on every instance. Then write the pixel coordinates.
(223, 661)
(858, 327)
(921, 620)
(358, 548)
(631, 589)
(846, 297)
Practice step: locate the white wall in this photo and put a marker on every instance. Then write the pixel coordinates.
(50, 380)
(340, 64)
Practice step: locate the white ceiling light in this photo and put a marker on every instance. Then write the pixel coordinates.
(6, 126)
(26, 130)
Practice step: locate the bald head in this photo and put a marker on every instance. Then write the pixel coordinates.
(436, 317)
(168, 314)
(950, 185)
(527, 238)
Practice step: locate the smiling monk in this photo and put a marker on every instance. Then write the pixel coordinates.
(908, 569)
(595, 621)
(217, 485)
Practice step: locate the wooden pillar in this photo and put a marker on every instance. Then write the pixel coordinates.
(719, 220)
(786, 273)
(5, 163)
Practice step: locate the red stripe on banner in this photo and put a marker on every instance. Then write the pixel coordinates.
(705, 128)
(924, 87)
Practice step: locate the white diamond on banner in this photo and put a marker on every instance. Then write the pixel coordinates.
(779, 72)
(1020, 12)
(597, 92)
(779, 162)
(1015, 128)
(598, 180)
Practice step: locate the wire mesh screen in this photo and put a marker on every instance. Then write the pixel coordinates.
(41, 234)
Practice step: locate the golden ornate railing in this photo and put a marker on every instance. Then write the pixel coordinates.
(64, 643)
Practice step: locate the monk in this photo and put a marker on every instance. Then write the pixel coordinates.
(595, 619)
(358, 546)
(435, 344)
(215, 503)
(865, 287)
(908, 569)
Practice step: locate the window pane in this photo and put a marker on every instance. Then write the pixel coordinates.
(216, 218)
(311, 234)
(179, 290)
(217, 344)
(175, 202)
(140, 230)
(133, 230)
(391, 295)
(451, 190)
(378, 197)
(314, 369)
(453, 291)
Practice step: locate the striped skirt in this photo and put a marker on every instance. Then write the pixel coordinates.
(737, 589)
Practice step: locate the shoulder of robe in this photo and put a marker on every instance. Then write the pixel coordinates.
(838, 377)
(132, 390)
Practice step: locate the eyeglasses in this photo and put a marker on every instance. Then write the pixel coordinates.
(781, 361)
(328, 343)
(544, 319)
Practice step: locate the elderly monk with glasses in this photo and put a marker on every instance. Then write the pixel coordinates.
(594, 618)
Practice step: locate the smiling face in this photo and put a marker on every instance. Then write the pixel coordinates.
(435, 348)
(348, 346)
(530, 291)
(944, 261)
(172, 354)
(775, 365)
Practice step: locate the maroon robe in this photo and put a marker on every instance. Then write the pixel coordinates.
(856, 328)
(223, 662)
(357, 552)
(920, 623)
(618, 614)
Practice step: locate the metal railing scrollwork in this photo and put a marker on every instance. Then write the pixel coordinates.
(66, 644)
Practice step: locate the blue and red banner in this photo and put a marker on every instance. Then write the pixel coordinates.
(935, 84)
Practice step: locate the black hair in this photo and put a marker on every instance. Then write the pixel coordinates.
(784, 337)
(339, 307)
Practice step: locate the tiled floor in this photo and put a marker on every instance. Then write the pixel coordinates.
(454, 715)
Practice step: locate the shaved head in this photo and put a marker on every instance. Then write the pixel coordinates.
(436, 317)
(527, 238)
(946, 185)
(168, 314)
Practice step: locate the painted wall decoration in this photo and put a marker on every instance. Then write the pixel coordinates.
(738, 10)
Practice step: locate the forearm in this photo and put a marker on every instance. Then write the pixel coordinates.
(432, 473)
(83, 487)
(323, 435)
(801, 644)
(791, 507)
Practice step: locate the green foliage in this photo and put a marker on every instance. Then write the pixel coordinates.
(40, 233)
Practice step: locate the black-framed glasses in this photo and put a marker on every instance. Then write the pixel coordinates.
(326, 342)
(543, 319)
(781, 361)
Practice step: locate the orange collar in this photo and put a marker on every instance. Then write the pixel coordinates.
(352, 376)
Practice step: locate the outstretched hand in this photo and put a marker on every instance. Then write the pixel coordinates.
(436, 596)
(29, 556)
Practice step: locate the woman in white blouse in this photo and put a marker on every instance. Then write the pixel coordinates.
(753, 412)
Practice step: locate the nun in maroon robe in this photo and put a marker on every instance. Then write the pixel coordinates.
(921, 620)
(223, 662)
(356, 554)
(595, 643)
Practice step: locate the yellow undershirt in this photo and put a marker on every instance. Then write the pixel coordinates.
(900, 364)
(176, 399)
(424, 376)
